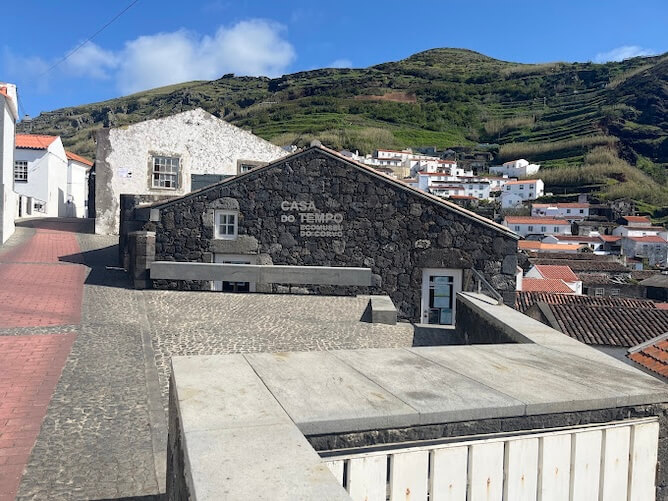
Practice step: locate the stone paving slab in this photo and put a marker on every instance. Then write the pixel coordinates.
(30, 368)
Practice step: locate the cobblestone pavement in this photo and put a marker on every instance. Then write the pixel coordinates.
(104, 433)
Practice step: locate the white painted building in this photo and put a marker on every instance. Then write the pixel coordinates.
(570, 211)
(641, 231)
(161, 156)
(515, 168)
(537, 225)
(40, 175)
(442, 184)
(529, 189)
(8, 117)
(653, 248)
(78, 169)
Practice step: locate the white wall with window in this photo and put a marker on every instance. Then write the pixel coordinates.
(439, 290)
(20, 171)
(160, 156)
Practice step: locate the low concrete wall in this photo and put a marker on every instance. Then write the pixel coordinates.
(382, 310)
(262, 274)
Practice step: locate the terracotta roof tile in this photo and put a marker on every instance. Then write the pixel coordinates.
(652, 239)
(584, 265)
(3, 91)
(541, 246)
(610, 238)
(545, 285)
(78, 158)
(528, 181)
(34, 141)
(559, 272)
(652, 355)
(524, 300)
(637, 219)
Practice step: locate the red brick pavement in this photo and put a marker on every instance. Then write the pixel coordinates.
(37, 295)
(31, 366)
(36, 289)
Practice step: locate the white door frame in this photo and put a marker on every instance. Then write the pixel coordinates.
(456, 274)
(217, 285)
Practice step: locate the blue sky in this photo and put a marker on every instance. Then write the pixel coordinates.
(158, 42)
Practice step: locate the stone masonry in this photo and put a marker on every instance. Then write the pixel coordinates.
(386, 226)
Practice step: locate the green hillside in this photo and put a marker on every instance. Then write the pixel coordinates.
(549, 113)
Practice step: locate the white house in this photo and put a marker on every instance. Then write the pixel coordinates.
(78, 169)
(570, 211)
(164, 156)
(594, 242)
(641, 231)
(8, 117)
(653, 248)
(514, 191)
(642, 221)
(40, 175)
(515, 168)
(537, 225)
(556, 272)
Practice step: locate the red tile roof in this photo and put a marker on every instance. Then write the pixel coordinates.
(577, 238)
(603, 321)
(644, 228)
(34, 141)
(652, 239)
(637, 219)
(652, 355)
(662, 306)
(524, 300)
(3, 91)
(584, 265)
(610, 238)
(541, 246)
(462, 197)
(545, 285)
(558, 272)
(78, 158)
(536, 220)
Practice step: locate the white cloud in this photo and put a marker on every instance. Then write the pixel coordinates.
(623, 52)
(340, 63)
(252, 47)
(91, 61)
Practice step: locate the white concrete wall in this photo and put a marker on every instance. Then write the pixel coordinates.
(47, 178)
(536, 228)
(204, 144)
(8, 199)
(77, 188)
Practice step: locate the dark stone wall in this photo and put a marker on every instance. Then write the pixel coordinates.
(177, 487)
(322, 443)
(388, 228)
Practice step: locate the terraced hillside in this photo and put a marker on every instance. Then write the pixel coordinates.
(553, 113)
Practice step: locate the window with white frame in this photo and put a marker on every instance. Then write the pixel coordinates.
(556, 229)
(165, 173)
(517, 228)
(530, 228)
(600, 291)
(21, 171)
(543, 229)
(225, 224)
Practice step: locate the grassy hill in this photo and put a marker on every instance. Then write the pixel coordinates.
(550, 113)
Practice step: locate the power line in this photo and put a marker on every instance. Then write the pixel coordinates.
(89, 38)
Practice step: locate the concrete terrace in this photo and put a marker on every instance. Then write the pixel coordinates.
(83, 407)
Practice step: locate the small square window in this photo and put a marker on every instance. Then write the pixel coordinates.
(568, 211)
(530, 228)
(614, 292)
(600, 291)
(517, 228)
(21, 171)
(225, 224)
(556, 229)
(543, 229)
(165, 173)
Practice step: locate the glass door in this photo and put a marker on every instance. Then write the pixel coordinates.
(440, 310)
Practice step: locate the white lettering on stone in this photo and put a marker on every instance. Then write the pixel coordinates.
(313, 223)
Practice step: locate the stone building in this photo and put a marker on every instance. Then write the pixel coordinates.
(168, 156)
(317, 208)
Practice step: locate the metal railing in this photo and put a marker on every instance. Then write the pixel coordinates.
(481, 281)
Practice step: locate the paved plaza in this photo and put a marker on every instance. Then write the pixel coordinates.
(83, 402)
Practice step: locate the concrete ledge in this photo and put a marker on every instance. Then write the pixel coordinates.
(383, 310)
(262, 274)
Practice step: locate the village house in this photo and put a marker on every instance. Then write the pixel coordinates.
(166, 156)
(515, 168)
(569, 211)
(537, 225)
(515, 193)
(641, 231)
(318, 209)
(593, 242)
(41, 176)
(78, 170)
(8, 198)
(556, 272)
(653, 248)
